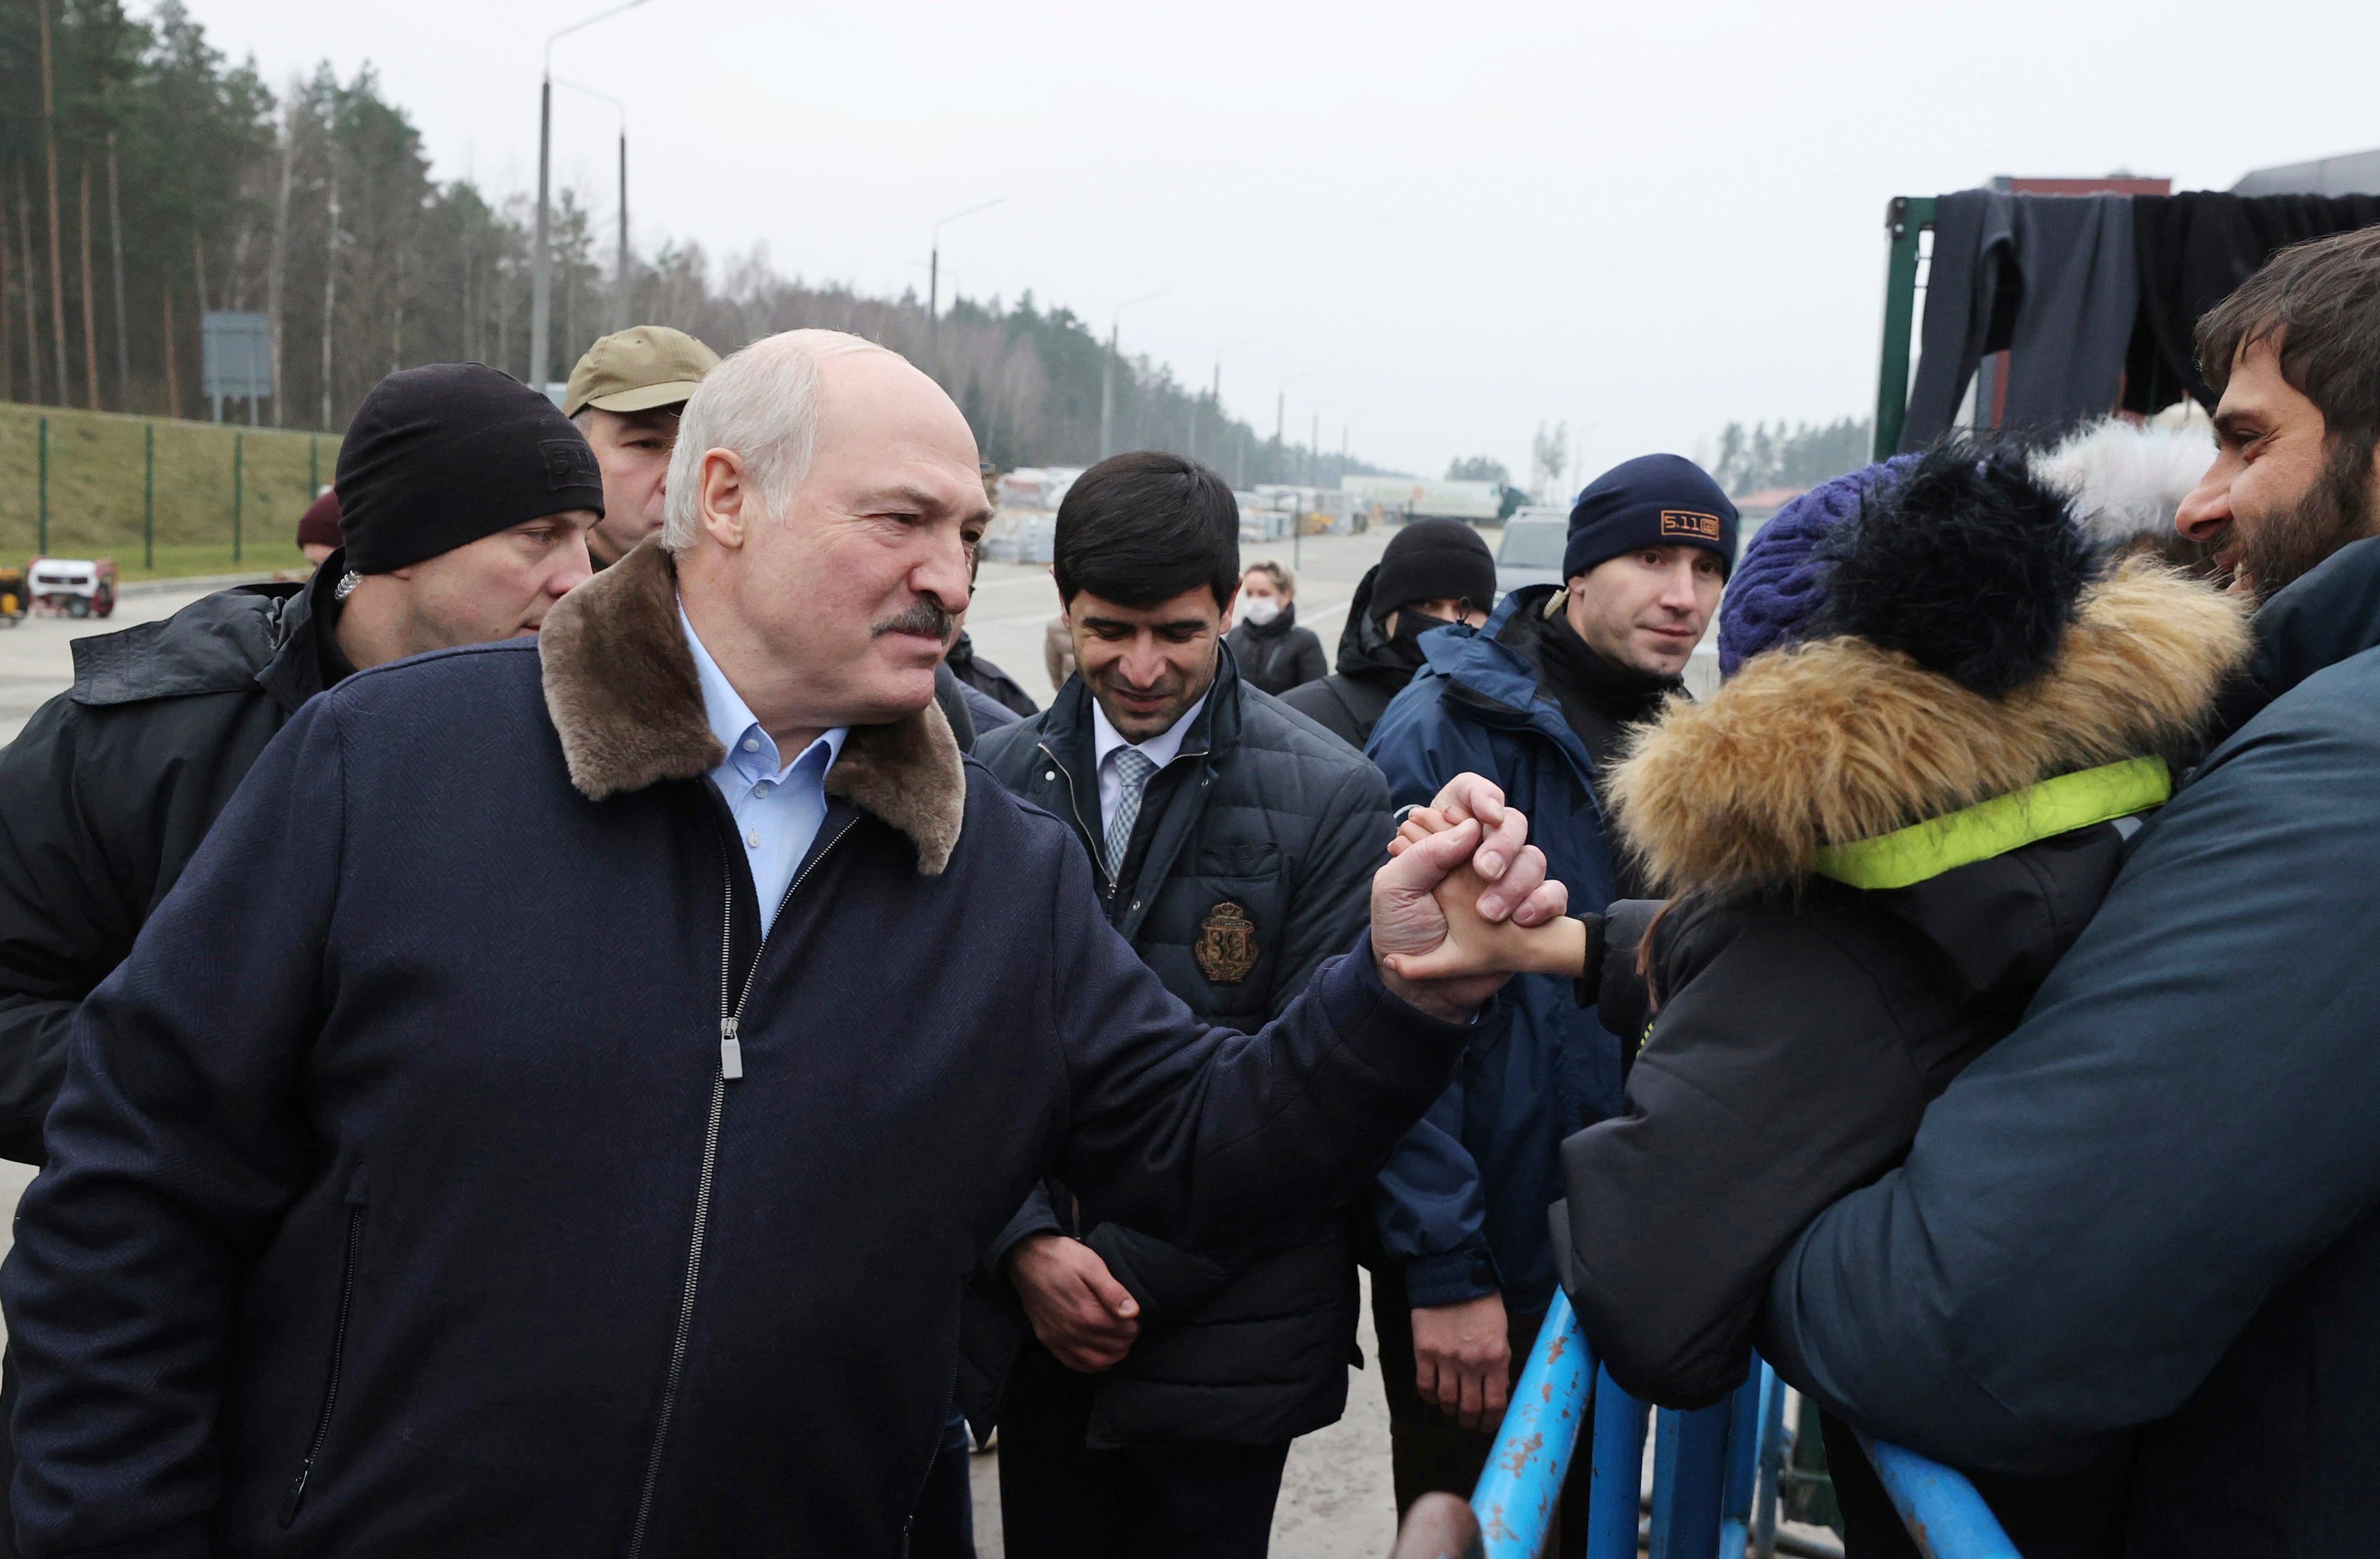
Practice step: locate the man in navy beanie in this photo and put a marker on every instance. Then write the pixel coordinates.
(1538, 700)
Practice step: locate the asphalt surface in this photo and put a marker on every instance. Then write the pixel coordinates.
(37, 656)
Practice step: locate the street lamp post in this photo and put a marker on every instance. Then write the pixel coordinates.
(540, 307)
(1217, 397)
(1107, 373)
(934, 283)
(620, 317)
(1280, 421)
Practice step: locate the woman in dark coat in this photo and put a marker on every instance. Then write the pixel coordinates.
(1879, 834)
(1274, 653)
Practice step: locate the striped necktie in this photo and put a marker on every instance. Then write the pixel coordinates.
(1133, 768)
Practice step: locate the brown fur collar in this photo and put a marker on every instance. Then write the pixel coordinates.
(1838, 740)
(622, 691)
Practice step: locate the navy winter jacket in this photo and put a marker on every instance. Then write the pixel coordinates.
(2157, 1202)
(1461, 1207)
(414, 1191)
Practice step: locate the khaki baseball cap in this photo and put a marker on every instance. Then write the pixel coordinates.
(637, 370)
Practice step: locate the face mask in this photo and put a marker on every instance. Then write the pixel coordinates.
(1260, 609)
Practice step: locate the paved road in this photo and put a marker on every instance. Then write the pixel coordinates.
(36, 660)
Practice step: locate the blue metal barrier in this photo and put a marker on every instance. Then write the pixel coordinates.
(1518, 1491)
(1941, 1508)
(1715, 1471)
(1617, 1468)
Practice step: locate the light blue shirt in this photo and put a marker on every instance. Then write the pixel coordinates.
(779, 806)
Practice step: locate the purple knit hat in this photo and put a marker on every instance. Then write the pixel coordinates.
(1779, 583)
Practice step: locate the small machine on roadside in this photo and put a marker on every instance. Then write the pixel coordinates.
(14, 601)
(72, 586)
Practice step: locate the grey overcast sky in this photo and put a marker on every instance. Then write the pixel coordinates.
(1442, 224)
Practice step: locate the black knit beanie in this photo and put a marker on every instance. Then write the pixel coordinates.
(1430, 560)
(443, 456)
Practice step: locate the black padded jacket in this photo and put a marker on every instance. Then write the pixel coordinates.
(1252, 862)
(107, 793)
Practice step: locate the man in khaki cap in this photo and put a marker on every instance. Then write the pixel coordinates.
(625, 395)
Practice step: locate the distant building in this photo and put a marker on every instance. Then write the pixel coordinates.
(1760, 505)
(2356, 173)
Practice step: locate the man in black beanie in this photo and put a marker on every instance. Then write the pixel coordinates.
(1434, 573)
(1538, 700)
(466, 500)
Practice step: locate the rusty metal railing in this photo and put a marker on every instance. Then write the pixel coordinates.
(1714, 1470)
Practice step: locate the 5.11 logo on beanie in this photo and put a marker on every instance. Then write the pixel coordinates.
(1691, 524)
(569, 463)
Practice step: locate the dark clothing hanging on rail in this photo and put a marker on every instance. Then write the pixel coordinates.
(2049, 279)
(2193, 250)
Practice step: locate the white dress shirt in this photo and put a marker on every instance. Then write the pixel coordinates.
(1107, 741)
(779, 806)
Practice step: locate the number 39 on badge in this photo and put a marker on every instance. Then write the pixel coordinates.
(1226, 949)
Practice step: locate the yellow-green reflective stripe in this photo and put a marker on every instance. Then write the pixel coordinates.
(1996, 827)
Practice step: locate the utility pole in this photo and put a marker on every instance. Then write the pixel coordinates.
(1107, 390)
(1107, 374)
(1228, 347)
(934, 289)
(541, 303)
(540, 286)
(1314, 453)
(627, 315)
(620, 315)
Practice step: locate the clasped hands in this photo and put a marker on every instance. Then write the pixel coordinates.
(1463, 903)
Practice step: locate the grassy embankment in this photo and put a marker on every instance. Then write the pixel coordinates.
(97, 464)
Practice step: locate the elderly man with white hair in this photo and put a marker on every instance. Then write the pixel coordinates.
(556, 1109)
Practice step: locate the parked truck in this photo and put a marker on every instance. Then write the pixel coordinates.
(1417, 498)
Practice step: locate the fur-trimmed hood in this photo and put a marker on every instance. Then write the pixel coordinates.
(623, 695)
(1838, 740)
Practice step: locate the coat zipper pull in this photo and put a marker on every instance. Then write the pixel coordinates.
(730, 1049)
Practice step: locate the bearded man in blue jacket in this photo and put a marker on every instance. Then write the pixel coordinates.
(556, 1109)
(2156, 1206)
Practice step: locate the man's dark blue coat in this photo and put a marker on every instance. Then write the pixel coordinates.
(1461, 1207)
(2157, 1202)
(397, 1205)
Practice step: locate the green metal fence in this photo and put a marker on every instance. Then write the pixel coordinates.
(159, 496)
